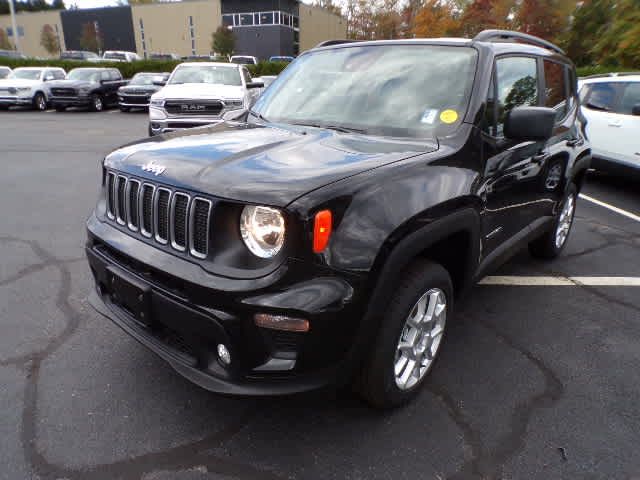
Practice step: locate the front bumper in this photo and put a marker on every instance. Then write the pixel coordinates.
(11, 100)
(184, 317)
(156, 127)
(70, 101)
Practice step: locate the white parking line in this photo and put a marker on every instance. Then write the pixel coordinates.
(620, 211)
(548, 281)
(113, 111)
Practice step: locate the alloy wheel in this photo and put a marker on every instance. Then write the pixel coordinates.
(565, 220)
(41, 103)
(420, 339)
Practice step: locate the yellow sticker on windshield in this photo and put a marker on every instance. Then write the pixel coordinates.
(448, 116)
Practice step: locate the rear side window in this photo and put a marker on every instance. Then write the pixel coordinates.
(555, 88)
(630, 98)
(246, 75)
(58, 74)
(516, 85)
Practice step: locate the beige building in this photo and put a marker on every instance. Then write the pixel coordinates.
(30, 29)
(318, 24)
(178, 27)
(186, 27)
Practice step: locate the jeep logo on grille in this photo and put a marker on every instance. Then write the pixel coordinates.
(192, 107)
(153, 168)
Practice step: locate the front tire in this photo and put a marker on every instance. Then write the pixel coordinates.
(551, 243)
(97, 104)
(410, 336)
(39, 102)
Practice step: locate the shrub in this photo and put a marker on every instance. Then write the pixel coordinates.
(129, 69)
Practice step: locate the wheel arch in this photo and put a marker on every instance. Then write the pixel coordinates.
(436, 241)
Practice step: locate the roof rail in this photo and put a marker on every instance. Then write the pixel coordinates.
(328, 43)
(508, 35)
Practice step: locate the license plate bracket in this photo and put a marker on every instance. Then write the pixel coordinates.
(130, 294)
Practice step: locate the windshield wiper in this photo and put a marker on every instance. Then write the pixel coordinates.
(337, 128)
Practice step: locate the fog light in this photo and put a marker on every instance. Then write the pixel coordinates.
(223, 354)
(280, 322)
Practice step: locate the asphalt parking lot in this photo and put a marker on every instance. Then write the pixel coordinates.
(534, 382)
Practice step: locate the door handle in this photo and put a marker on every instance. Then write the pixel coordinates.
(615, 123)
(575, 142)
(541, 157)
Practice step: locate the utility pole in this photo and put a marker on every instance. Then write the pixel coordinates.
(16, 39)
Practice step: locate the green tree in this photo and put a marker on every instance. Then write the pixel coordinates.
(90, 38)
(5, 43)
(328, 5)
(587, 25)
(223, 41)
(619, 41)
(49, 40)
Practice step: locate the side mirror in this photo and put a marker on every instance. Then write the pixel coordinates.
(255, 85)
(159, 82)
(530, 123)
(636, 109)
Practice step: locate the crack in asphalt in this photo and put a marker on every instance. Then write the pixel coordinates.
(182, 457)
(481, 462)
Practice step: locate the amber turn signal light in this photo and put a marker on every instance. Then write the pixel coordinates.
(322, 230)
(280, 322)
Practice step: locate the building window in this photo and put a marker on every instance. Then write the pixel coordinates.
(266, 18)
(190, 21)
(246, 19)
(193, 47)
(141, 24)
(227, 20)
(296, 22)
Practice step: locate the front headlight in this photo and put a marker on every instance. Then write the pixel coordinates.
(157, 102)
(262, 229)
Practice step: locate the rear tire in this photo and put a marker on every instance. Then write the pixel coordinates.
(549, 245)
(410, 336)
(39, 102)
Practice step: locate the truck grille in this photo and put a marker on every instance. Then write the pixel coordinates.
(135, 99)
(199, 107)
(63, 92)
(159, 213)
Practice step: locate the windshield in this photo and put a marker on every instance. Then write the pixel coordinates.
(206, 74)
(82, 74)
(26, 74)
(391, 90)
(115, 56)
(143, 79)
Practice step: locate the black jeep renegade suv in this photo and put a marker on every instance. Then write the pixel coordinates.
(326, 238)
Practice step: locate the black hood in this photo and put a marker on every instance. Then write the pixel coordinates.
(258, 164)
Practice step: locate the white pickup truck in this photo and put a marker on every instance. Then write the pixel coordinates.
(202, 93)
(29, 86)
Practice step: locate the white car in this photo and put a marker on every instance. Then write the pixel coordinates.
(120, 56)
(202, 93)
(4, 72)
(611, 105)
(29, 86)
(244, 60)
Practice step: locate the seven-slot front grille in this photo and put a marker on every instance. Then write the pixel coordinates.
(159, 213)
(199, 107)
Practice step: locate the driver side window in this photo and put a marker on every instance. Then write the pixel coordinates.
(516, 84)
(246, 75)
